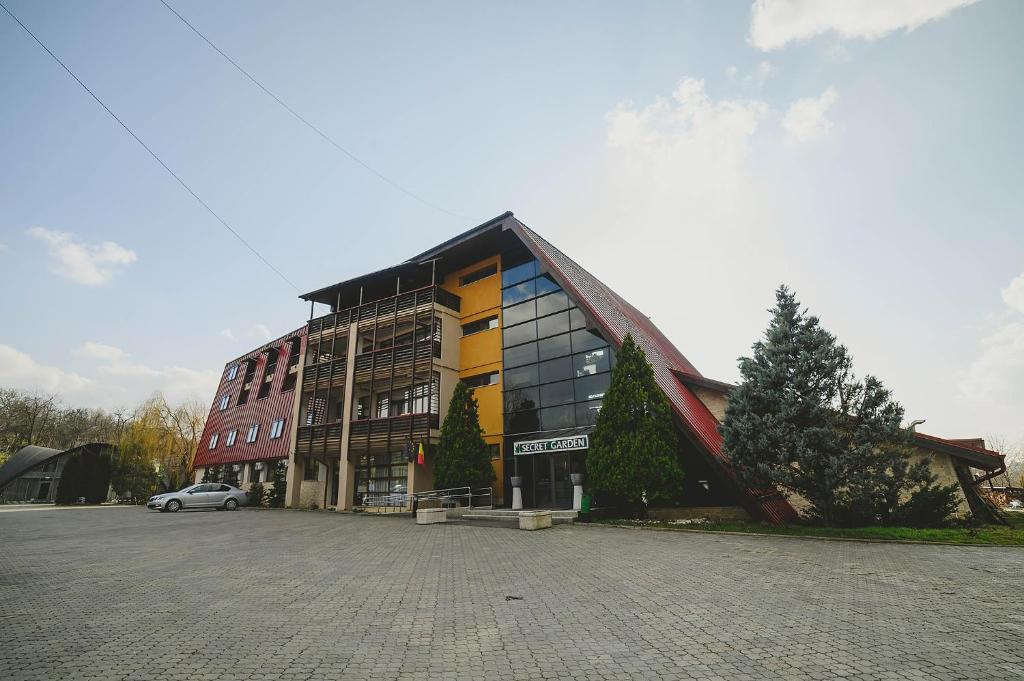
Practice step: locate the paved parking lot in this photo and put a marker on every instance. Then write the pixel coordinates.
(122, 593)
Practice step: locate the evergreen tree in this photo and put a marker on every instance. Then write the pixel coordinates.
(230, 476)
(800, 420)
(462, 457)
(256, 494)
(278, 478)
(633, 462)
(213, 473)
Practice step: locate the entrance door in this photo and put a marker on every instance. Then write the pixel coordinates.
(334, 485)
(543, 481)
(562, 482)
(44, 490)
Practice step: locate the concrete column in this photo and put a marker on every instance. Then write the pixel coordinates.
(293, 475)
(346, 470)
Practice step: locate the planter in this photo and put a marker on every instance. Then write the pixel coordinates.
(576, 478)
(516, 480)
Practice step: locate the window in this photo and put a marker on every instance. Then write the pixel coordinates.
(312, 471)
(521, 377)
(592, 387)
(232, 372)
(545, 284)
(524, 354)
(479, 274)
(586, 340)
(554, 394)
(485, 324)
(554, 370)
(495, 452)
(586, 412)
(554, 418)
(254, 431)
(224, 401)
(256, 473)
(553, 325)
(276, 429)
(480, 380)
(514, 275)
(593, 362)
(213, 440)
(524, 333)
(553, 347)
(519, 292)
(232, 436)
(549, 304)
(519, 313)
(520, 399)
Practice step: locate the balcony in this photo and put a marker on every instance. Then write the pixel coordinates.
(402, 305)
(378, 365)
(368, 434)
(324, 375)
(375, 434)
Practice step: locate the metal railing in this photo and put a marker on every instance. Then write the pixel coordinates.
(453, 498)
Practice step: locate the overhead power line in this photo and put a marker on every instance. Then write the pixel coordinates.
(306, 122)
(152, 153)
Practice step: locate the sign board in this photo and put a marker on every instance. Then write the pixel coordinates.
(557, 444)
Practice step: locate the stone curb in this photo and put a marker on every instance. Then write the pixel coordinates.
(861, 540)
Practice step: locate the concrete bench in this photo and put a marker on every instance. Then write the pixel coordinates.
(534, 520)
(430, 516)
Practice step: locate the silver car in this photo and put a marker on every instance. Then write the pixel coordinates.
(205, 495)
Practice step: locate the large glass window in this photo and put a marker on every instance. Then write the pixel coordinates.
(556, 393)
(592, 387)
(518, 273)
(524, 354)
(521, 398)
(551, 303)
(555, 324)
(592, 362)
(518, 293)
(556, 371)
(553, 347)
(519, 313)
(523, 333)
(521, 376)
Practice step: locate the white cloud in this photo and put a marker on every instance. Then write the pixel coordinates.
(1013, 295)
(229, 334)
(19, 370)
(775, 23)
(86, 263)
(689, 147)
(93, 350)
(807, 119)
(761, 74)
(113, 380)
(261, 332)
(997, 375)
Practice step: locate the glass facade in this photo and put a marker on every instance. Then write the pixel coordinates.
(380, 475)
(556, 373)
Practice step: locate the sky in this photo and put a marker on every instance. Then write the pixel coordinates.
(692, 155)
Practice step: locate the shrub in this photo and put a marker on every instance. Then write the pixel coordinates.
(278, 478)
(929, 506)
(256, 493)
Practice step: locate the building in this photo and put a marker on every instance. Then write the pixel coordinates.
(504, 310)
(33, 473)
(251, 423)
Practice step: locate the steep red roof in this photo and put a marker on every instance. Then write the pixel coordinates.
(618, 318)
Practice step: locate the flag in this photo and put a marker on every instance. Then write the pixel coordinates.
(419, 456)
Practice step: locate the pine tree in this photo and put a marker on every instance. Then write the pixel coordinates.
(213, 473)
(800, 420)
(462, 456)
(633, 462)
(278, 478)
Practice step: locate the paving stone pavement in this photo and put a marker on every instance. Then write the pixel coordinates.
(123, 593)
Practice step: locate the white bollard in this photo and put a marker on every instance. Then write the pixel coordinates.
(577, 491)
(517, 492)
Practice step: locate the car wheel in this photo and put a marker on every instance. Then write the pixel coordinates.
(172, 506)
(231, 505)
